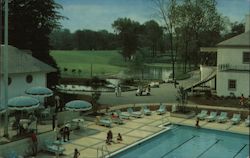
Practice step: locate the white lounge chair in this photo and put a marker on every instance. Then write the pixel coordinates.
(105, 121)
(222, 118)
(235, 119)
(212, 116)
(162, 109)
(146, 110)
(52, 147)
(122, 115)
(202, 115)
(247, 121)
(137, 114)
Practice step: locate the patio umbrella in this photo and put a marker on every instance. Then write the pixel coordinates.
(78, 105)
(2, 110)
(23, 103)
(39, 91)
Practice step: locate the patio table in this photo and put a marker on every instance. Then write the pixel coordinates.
(78, 121)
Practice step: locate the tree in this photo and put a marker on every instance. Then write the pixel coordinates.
(128, 31)
(151, 36)
(137, 64)
(205, 25)
(166, 10)
(30, 23)
(236, 29)
(61, 39)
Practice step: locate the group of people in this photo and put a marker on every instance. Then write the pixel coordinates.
(62, 132)
(110, 137)
(118, 91)
(146, 90)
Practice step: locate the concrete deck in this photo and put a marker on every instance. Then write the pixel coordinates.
(132, 131)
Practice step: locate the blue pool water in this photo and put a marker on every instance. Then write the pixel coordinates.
(190, 142)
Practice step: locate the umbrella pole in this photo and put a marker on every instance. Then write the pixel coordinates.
(5, 67)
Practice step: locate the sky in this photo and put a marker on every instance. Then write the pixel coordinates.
(100, 14)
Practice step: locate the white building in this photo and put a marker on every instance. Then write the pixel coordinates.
(233, 66)
(231, 75)
(25, 71)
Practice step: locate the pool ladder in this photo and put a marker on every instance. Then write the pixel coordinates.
(103, 149)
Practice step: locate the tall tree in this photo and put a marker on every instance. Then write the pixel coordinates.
(30, 23)
(151, 36)
(128, 31)
(166, 10)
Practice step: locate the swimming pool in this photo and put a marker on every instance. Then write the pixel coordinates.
(190, 142)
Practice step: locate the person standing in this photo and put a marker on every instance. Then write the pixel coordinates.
(120, 91)
(76, 153)
(116, 91)
(242, 100)
(197, 122)
(66, 133)
(34, 143)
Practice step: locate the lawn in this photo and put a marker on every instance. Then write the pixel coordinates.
(104, 63)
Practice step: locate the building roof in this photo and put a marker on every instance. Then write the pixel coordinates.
(242, 40)
(21, 61)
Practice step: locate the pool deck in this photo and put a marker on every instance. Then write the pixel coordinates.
(134, 130)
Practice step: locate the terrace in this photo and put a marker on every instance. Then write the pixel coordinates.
(90, 139)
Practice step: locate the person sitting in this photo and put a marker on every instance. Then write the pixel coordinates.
(109, 137)
(119, 137)
(113, 116)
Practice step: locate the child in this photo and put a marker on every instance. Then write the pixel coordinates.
(76, 153)
(119, 137)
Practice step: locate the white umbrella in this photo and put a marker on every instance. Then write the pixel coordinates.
(39, 91)
(23, 103)
(2, 110)
(78, 105)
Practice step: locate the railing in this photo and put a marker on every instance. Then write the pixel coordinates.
(226, 67)
(104, 151)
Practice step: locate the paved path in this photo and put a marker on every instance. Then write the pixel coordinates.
(166, 93)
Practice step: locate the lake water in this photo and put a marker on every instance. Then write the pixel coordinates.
(154, 73)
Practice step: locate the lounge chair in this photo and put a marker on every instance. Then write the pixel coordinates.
(104, 121)
(137, 114)
(146, 110)
(162, 109)
(247, 121)
(236, 119)
(122, 115)
(202, 115)
(52, 147)
(212, 116)
(222, 118)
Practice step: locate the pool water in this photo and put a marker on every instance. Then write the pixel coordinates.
(190, 142)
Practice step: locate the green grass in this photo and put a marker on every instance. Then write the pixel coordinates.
(103, 62)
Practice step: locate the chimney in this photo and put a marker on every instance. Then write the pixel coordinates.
(247, 25)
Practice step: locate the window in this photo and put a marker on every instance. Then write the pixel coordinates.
(231, 84)
(9, 80)
(246, 57)
(29, 79)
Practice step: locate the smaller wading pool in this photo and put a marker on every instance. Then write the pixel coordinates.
(190, 142)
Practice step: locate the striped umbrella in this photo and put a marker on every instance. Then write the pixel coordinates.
(23, 103)
(78, 105)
